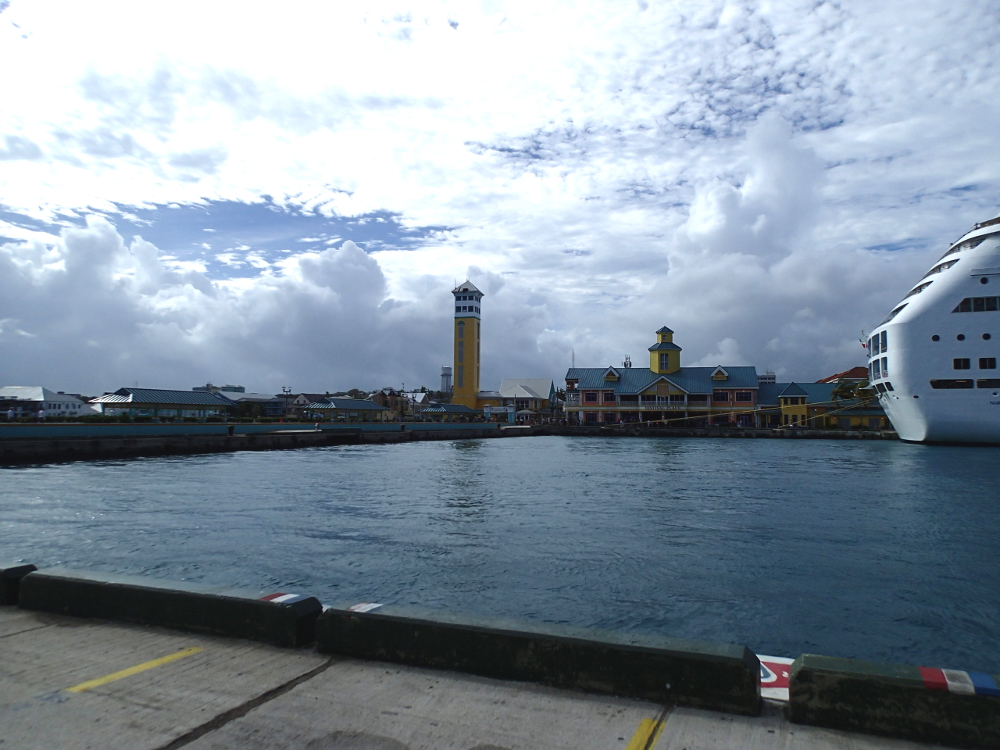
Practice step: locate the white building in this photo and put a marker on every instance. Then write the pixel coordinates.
(28, 400)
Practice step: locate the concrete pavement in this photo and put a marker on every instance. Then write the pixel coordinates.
(73, 683)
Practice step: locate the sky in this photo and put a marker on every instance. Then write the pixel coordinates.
(285, 195)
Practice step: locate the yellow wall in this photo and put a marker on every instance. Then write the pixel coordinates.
(466, 369)
(673, 357)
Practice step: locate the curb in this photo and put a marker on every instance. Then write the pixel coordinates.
(10, 582)
(287, 620)
(944, 706)
(705, 675)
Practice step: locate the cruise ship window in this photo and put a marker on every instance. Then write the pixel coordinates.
(986, 337)
(940, 268)
(987, 363)
(935, 337)
(918, 289)
(885, 346)
(960, 337)
(968, 245)
(951, 384)
(984, 280)
(885, 367)
(978, 304)
(893, 314)
(876, 369)
(888, 387)
(961, 363)
(988, 383)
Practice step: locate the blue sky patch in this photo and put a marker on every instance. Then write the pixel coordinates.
(236, 239)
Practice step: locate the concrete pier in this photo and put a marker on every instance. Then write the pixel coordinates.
(72, 684)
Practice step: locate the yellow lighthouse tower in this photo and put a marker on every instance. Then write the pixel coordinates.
(467, 320)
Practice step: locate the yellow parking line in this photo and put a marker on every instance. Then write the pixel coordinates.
(646, 735)
(132, 670)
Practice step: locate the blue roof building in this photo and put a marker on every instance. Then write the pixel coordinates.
(818, 406)
(664, 392)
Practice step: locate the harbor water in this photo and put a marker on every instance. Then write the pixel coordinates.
(866, 549)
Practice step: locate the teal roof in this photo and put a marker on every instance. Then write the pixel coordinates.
(345, 404)
(450, 409)
(637, 379)
(794, 390)
(816, 394)
(664, 330)
(664, 346)
(144, 396)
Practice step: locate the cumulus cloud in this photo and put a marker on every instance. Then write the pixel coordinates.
(772, 175)
(120, 315)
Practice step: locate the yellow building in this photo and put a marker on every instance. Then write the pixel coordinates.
(467, 345)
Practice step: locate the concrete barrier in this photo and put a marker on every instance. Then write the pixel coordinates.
(665, 670)
(279, 619)
(948, 707)
(10, 582)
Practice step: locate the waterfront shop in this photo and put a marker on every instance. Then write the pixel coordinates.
(818, 406)
(451, 413)
(665, 392)
(161, 404)
(347, 410)
(34, 402)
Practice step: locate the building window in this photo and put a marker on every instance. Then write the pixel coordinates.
(590, 397)
(664, 361)
(987, 363)
(677, 398)
(609, 397)
(458, 309)
(961, 363)
(590, 417)
(461, 329)
(461, 351)
(460, 377)
(744, 397)
(720, 396)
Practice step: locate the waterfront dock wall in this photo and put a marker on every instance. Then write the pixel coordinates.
(35, 443)
(670, 671)
(952, 708)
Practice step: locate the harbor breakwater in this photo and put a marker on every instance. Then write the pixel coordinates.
(36, 443)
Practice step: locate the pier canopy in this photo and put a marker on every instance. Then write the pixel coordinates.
(349, 410)
(154, 402)
(451, 412)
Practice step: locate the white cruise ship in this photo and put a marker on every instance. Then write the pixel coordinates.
(933, 360)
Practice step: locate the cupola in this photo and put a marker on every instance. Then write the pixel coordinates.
(664, 355)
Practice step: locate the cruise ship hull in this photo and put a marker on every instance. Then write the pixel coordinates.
(933, 361)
